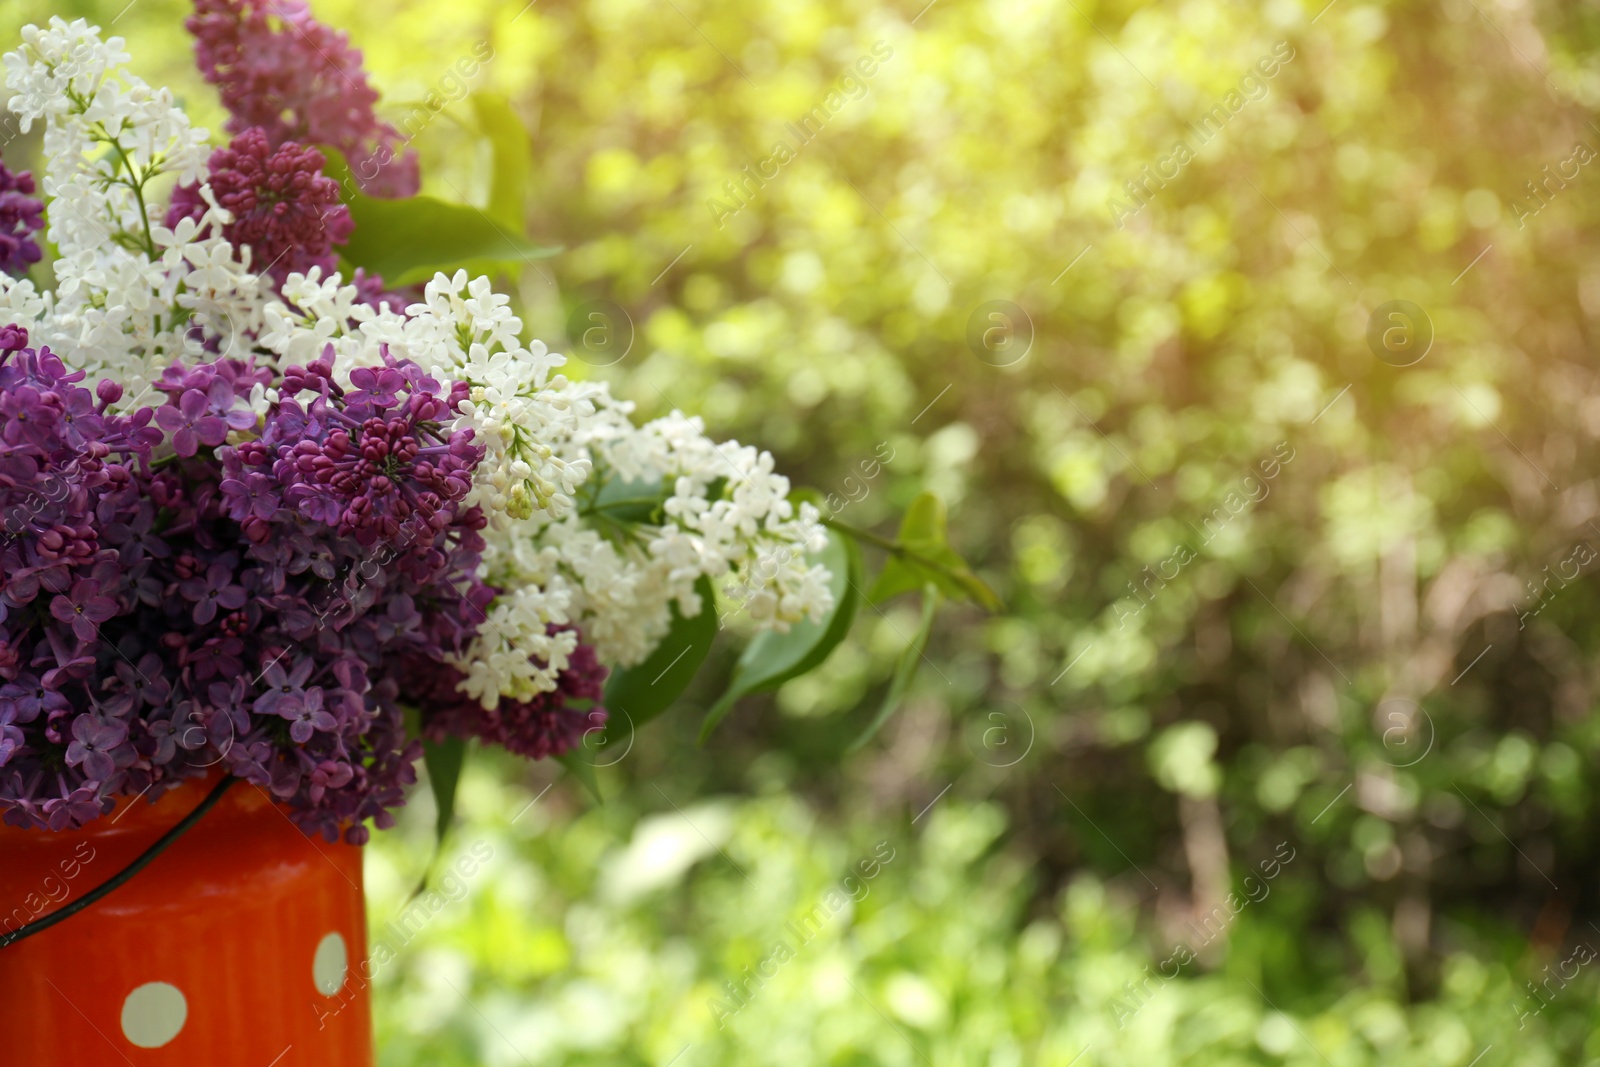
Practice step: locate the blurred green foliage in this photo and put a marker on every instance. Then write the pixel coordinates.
(1262, 585)
(608, 936)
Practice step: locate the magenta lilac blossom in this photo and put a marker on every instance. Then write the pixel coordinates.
(280, 70)
(283, 207)
(21, 216)
(235, 605)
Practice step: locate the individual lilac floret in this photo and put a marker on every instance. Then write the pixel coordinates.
(214, 591)
(21, 216)
(83, 609)
(281, 70)
(283, 206)
(99, 746)
(191, 424)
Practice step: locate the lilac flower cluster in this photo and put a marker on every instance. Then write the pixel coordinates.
(250, 575)
(193, 586)
(550, 724)
(21, 216)
(69, 493)
(370, 463)
(281, 70)
(283, 207)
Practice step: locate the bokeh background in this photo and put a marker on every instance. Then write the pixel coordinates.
(1275, 603)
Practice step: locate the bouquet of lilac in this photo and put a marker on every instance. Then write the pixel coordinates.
(265, 515)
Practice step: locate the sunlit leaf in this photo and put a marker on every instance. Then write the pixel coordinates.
(409, 240)
(928, 559)
(513, 158)
(774, 658)
(905, 668)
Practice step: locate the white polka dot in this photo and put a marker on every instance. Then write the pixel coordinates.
(153, 1014)
(330, 965)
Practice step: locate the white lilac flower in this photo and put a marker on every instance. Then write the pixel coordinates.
(518, 652)
(130, 295)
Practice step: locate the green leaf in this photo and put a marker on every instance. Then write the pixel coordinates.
(904, 670)
(774, 658)
(443, 760)
(408, 241)
(897, 577)
(513, 157)
(640, 693)
(923, 527)
(579, 765)
(630, 501)
(928, 559)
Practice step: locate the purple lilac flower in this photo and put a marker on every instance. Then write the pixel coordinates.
(152, 642)
(213, 590)
(369, 291)
(283, 207)
(98, 745)
(373, 463)
(11, 738)
(21, 216)
(215, 657)
(284, 691)
(279, 69)
(144, 684)
(83, 609)
(72, 806)
(255, 496)
(27, 699)
(307, 715)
